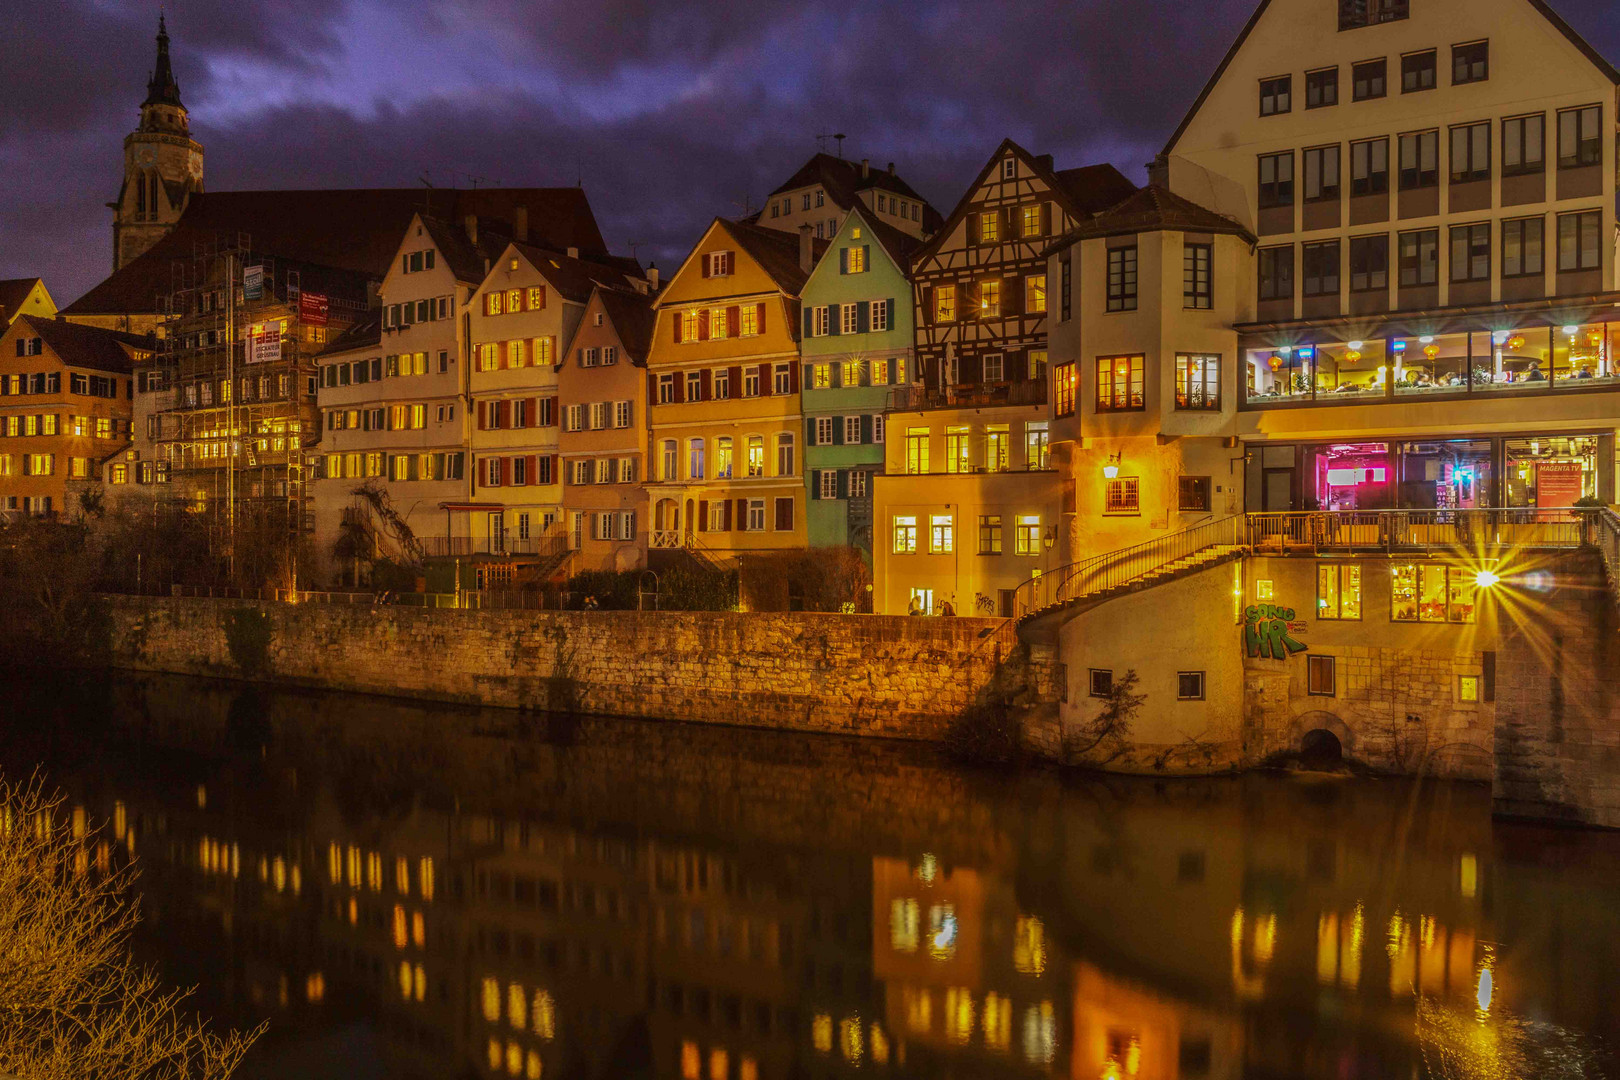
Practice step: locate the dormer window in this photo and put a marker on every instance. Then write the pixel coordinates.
(1354, 14)
(718, 263)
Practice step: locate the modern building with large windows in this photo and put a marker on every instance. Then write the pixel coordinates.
(1432, 188)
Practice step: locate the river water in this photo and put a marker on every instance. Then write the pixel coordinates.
(406, 890)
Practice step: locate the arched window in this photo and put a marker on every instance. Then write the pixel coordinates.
(694, 462)
(140, 197)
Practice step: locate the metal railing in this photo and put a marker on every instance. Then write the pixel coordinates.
(1474, 531)
(1110, 570)
(1413, 530)
(474, 599)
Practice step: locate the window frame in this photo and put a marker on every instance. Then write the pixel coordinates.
(1097, 689)
(1518, 227)
(1581, 265)
(1376, 181)
(1361, 66)
(1278, 90)
(1320, 249)
(1269, 193)
(1460, 57)
(1123, 279)
(1318, 80)
(1475, 172)
(1318, 665)
(1338, 569)
(1412, 62)
(1275, 256)
(1108, 390)
(1197, 283)
(1577, 159)
(1470, 269)
(1522, 122)
(1186, 387)
(1181, 686)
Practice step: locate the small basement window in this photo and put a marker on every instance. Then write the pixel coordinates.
(1102, 682)
(1189, 686)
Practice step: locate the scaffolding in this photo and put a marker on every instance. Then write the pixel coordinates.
(237, 425)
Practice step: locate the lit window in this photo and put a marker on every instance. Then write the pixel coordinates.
(989, 226)
(855, 258)
(1338, 591)
(957, 450)
(917, 450)
(1027, 537)
(945, 303)
(941, 534)
(905, 535)
(990, 299)
(1122, 496)
(1035, 294)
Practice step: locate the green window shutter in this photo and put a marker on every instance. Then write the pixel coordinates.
(837, 374)
(843, 483)
(815, 483)
(838, 430)
(889, 320)
(843, 260)
(863, 316)
(834, 319)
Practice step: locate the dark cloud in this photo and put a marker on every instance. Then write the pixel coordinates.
(668, 112)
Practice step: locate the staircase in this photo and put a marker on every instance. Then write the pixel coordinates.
(1045, 603)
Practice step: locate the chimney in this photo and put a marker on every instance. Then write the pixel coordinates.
(891, 168)
(471, 222)
(520, 224)
(652, 276)
(807, 251)
(1158, 171)
(573, 253)
(866, 167)
(1045, 162)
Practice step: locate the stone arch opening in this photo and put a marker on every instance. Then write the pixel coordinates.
(1320, 748)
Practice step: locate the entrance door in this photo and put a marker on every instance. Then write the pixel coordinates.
(497, 532)
(1277, 490)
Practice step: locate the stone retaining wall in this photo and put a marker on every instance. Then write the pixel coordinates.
(862, 675)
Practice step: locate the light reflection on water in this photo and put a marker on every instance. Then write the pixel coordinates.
(408, 890)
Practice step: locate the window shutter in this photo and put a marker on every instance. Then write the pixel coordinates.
(506, 414)
(809, 315)
(483, 416)
(843, 483)
(866, 428)
(835, 319)
(926, 299)
(863, 316)
(706, 385)
(866, 256)
(531, 412)
(843, 260)
(506, 471)
(815, 483)
(652, 390)
(1046, 219)
(970, 369)
(725, 515)
(793, 379)
(734, 382)
(703, 515)
(733, 321)
(1012, 296)
(888, 320)
(675, 325)
(705, 265)
(531, 471)
(551, 468)
(1015, 366)
(680, 387)
(761, 306)
(837, 375)
(838, 430)
(971, 223)
(742, 515)
(579, 356)
(703, 325)
(765, 386)
(503, 356)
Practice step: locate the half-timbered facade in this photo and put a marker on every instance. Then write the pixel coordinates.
(979, 286)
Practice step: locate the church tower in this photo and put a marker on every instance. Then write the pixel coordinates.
(163, 164)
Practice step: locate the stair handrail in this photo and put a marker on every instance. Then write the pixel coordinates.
(1604, 534)
(1109, 569)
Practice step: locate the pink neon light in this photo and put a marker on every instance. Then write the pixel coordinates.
(1352, 477)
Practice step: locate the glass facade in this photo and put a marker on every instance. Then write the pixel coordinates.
(1572, 356)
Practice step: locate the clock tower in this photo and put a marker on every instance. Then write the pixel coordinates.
(163, 164)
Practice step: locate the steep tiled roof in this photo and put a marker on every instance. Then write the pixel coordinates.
(87, 346)
(1094, 188)
(843, 181)
(900, 246)
(575, 278)
(777, 252)
(14, 293)
(469, 261)
(364, 333)
(1154, 208)
(357, 229)
(633, 317)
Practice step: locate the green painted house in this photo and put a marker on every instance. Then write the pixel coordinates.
(857, 347)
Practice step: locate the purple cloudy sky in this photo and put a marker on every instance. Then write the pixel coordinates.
(670, 111)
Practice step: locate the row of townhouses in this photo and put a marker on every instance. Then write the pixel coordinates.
(1373, 268)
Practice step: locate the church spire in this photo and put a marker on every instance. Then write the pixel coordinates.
(161, 89)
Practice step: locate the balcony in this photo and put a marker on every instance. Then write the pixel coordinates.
(445, 547)
(967, 395)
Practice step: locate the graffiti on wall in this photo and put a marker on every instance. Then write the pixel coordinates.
(1268, 632)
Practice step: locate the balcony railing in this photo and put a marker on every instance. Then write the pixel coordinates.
(967, 395)
(442, 547)
(665, 538)
(1472, 532)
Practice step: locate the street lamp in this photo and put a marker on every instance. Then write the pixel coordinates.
(1111, 468)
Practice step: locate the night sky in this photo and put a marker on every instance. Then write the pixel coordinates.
(669, 112)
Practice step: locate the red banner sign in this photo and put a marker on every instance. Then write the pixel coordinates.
(312, 308)
(1558, 483)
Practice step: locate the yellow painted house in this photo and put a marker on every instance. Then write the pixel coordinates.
(726, 474)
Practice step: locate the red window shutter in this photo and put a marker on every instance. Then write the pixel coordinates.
(505, 413)
(652, 389)
(733, 321)
(761, 306)
(483, 416)
(542, 296)
(707, 384)
(506, 471)
(680, 387)
(531, 415)
(734, 382)
(675, 325)
(703, 325)
(703, 515)
(553, 412)
(765, 388)
(793, 378)
(503, 356)
(530, 472)
(552, 469)
(742, 515)
(926, 298)
(704, 262)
